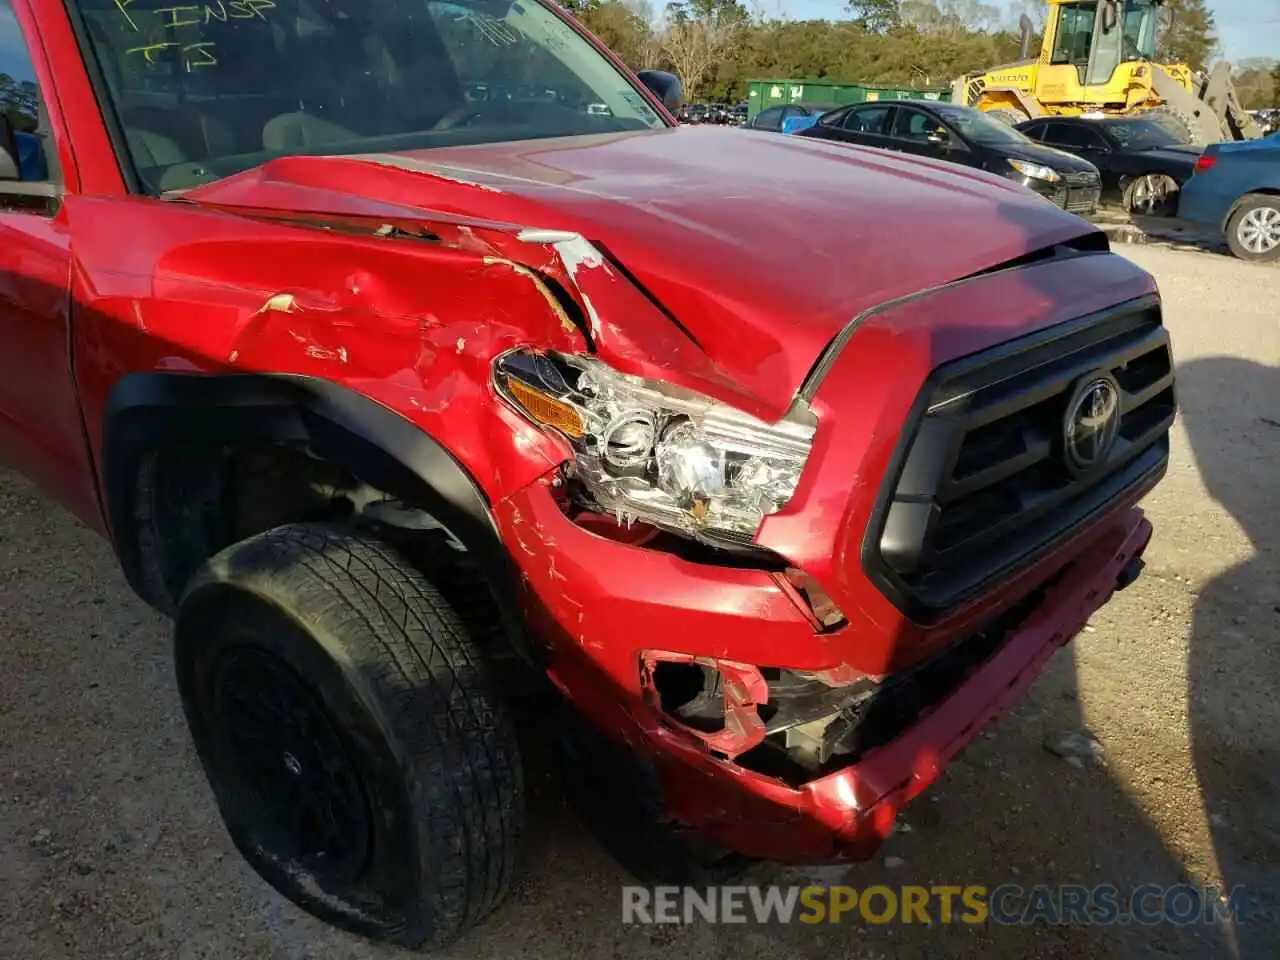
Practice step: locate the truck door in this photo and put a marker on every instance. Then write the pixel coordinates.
(41, 431)
(1108, 39)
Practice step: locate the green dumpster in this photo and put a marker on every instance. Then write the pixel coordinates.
(769, 93)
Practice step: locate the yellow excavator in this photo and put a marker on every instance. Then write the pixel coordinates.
(1098, 57)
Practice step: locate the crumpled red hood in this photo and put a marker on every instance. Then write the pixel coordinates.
(762, 246)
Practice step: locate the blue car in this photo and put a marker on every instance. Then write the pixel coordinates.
(788, 117)
(1236, 189)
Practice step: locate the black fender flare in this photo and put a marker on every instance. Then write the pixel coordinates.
(147, 410)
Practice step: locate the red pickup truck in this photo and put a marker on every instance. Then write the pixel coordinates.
(457, 421)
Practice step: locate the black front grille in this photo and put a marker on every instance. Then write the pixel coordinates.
(1078, 192)
(985, 483)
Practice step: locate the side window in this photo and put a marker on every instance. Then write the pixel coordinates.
(770, 119)
(25, 178)
(1071, 136)
(1094, 139)
(1057, 134)
(914, 125)
(1075, 33)
(1035, 130)
(869, 120)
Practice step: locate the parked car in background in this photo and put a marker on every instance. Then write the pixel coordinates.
(721, 113)
(774, 118)
(1268, 119)
(1236, 189)
(738, 114)
(1142, 163)
(696, 113)
(963, 135)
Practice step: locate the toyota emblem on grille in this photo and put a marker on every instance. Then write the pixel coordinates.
(1092, 422)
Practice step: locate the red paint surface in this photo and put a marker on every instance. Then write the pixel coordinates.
(760, 247)
(600, 630)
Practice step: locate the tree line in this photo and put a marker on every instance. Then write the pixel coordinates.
(716, 46)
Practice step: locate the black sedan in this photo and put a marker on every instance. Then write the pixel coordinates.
(1143, 164)
(947, 131)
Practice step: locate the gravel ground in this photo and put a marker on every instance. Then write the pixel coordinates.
(111, 847)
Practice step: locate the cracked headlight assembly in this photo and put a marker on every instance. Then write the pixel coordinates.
(655, 452)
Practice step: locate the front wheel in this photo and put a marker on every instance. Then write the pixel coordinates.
(1151, 195)
(1253, 232)
(360, 756)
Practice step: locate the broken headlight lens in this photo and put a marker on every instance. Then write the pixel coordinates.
(655, 452)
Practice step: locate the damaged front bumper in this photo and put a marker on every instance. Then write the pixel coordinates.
(607, 611)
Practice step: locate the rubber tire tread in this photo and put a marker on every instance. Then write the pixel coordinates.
(425, 682)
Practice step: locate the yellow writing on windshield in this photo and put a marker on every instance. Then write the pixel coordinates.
(237, 10)
(123, 7)
(194, 14)
(193, 54)
(172, 18)
(176, 17)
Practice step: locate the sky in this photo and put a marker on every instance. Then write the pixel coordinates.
(1247, 28)
(12, 54)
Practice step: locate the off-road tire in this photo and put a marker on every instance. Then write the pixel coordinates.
(1252, 205)
(1175, 120)
(404, 700)
(1007, 115)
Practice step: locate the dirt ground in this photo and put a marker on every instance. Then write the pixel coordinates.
(110, 847)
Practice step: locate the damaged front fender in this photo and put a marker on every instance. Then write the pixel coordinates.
(412, 320)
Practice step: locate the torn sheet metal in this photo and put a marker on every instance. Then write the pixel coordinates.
(565, 321)
(576, 252)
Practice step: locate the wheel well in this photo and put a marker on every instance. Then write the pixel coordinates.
(1244, 198)
(194, 463)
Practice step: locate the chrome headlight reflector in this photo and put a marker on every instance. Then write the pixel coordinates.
(1036, 171)
(650, 451)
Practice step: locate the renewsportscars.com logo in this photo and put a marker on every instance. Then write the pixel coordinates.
(1008, 904)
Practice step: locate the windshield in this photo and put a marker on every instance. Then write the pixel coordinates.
(1140, 23)
(206, 90)
(1139, 134)
(977, 126)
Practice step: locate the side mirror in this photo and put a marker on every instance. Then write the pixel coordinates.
(665, 86)
(8, 151)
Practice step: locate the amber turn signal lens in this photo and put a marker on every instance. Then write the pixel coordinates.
(546, 409)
